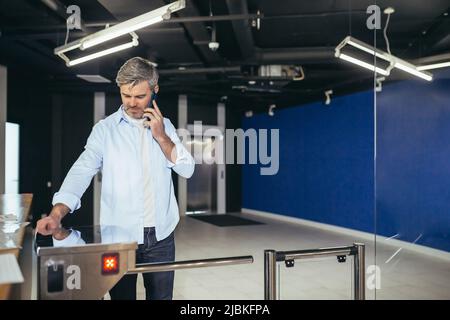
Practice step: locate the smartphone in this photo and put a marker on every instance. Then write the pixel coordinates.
(150, 104)
(153, 97)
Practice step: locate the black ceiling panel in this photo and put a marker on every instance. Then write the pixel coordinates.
(292, 32)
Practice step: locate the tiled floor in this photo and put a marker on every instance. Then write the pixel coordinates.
(408, 275)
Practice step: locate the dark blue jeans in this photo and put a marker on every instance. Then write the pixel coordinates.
(158, 285)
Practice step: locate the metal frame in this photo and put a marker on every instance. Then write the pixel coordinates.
(86, 259)
(271, 257)
(189, 264)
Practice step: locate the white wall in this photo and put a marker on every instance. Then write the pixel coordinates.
(12, 158)
(3, 102)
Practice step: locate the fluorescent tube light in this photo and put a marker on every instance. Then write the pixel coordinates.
(434, 66)
(139, 22)
(102, 53)
(363, 64)
(118, 30)
(394, 61)
(355, 44)
(111, 34)
(413, 70)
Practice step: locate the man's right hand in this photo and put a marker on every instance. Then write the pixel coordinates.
(52, 223)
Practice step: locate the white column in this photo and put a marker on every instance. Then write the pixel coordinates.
(99, 113)
(3, 102)
(182, 182)
(221, 173)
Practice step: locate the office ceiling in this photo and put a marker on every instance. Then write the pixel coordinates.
(296, 33)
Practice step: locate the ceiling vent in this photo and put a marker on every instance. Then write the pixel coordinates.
(93, 78)
(281, 71)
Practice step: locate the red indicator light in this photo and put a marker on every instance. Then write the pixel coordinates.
(110, 263)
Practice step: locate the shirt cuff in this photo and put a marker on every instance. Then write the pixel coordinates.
(179, 151)
(73, 239)
(70, 200)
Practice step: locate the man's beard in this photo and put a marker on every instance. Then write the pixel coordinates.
(135, 108)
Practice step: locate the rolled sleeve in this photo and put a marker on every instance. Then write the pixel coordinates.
(185, 164)
(170, 164)
(70, 200)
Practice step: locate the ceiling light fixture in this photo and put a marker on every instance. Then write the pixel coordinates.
(139, 22)
(134, 42)
(118, 30)
(394, 61)
(363, 64)
(434, 66)
(433, 62)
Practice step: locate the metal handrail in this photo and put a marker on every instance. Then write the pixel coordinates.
(313, 253)
(271, 257)
(189, 264)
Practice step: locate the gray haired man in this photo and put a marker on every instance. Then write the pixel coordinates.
(136, 148)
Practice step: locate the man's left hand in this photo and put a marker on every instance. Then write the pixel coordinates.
(156, 122)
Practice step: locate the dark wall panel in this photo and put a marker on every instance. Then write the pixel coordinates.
(29, 105)
(74, 111)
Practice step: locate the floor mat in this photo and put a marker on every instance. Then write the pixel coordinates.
(225, 220)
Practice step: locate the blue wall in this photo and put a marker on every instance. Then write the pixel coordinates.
(326, 163)
(413, 162)
(327, 167)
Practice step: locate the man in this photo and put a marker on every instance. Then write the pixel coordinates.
(136, 148)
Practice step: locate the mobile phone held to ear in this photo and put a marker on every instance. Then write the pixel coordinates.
(153, 97)
(150, 104)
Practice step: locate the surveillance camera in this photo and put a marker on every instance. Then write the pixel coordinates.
(213, 46)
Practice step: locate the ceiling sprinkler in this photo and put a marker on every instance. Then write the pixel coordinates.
(328, 94)
(213, 44)
(271, 113)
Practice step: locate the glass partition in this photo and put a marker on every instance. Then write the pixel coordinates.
(412, 221)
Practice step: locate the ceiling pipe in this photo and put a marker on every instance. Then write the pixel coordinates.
(295, 55)
(231, 17)
(190, 19)
(101, 24)
(215, 70)
(242, 28)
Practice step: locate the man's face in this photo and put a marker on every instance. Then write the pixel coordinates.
(136, 99)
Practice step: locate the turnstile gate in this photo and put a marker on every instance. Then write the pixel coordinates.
(91, 260)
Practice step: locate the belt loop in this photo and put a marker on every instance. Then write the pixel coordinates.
(148, 239)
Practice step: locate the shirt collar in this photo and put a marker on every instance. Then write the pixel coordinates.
(120, 115)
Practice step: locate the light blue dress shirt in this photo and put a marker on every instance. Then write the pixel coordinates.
(113, 147)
